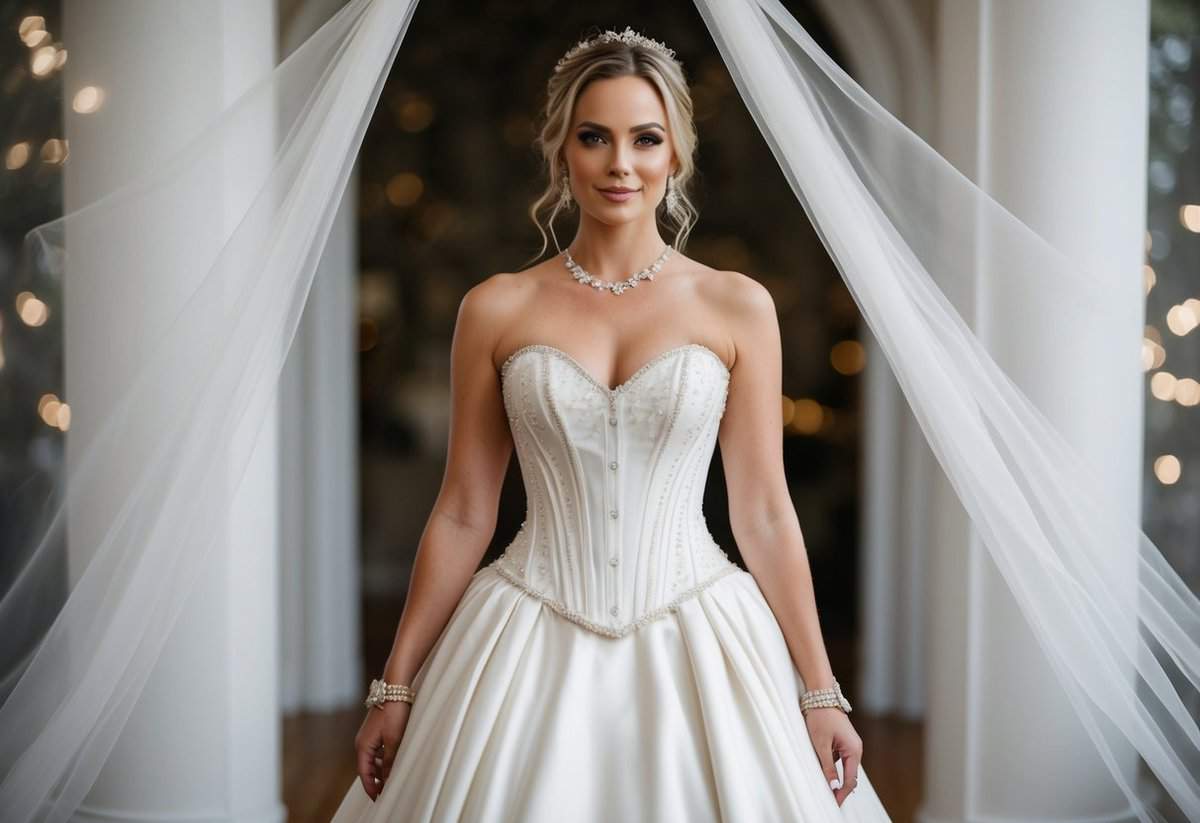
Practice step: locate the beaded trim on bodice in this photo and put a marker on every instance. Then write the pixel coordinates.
(614, 477)
(599, 628)
(625, 385)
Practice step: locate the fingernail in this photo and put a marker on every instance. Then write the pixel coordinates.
(835, 784)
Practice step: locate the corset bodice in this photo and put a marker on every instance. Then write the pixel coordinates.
(614, 533)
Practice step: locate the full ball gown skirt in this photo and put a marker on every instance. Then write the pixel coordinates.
(612, 664)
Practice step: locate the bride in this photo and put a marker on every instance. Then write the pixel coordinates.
(613, 663)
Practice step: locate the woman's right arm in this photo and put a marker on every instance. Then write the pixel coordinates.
(463, 518)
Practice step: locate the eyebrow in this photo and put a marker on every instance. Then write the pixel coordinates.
(607, 130)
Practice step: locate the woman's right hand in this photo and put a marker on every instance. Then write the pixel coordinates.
(383, 726)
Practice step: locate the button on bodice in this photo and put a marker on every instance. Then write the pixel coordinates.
(614, 534)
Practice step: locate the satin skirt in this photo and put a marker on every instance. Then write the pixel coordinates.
(522, 715)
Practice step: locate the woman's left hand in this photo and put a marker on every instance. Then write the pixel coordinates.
(833, 737)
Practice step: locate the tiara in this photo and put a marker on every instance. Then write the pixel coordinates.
(629, 37)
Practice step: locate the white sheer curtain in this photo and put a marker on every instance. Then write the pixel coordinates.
(73, 694)
(903, 227)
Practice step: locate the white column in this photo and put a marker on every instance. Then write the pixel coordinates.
(879, 490)
(203, 740)
(321, 593)
(896, 488)
(1044, 105)
(320, 590)
(887, 46)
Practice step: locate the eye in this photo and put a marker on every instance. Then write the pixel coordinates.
(653, 140)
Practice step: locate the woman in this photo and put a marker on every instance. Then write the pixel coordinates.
(613, 663)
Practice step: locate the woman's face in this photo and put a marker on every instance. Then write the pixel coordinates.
(618, 139)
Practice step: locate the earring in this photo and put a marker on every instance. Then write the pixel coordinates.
(672, 194)
(564, 194)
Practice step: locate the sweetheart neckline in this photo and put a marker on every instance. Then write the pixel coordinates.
(624, 384)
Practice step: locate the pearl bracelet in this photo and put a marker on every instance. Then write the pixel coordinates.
(381, 692)
(824, 698)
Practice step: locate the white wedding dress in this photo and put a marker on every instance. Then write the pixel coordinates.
(612, 664)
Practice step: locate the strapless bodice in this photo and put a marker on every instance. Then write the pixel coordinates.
(614, 533)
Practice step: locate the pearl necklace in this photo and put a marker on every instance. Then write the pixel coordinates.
(614, 286)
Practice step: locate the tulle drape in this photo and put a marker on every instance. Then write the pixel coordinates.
(906, 230)
(903, 227)
(231, 335)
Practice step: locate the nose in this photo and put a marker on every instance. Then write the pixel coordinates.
(619, 167)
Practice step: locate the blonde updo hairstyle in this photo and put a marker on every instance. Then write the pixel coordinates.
(602, 61)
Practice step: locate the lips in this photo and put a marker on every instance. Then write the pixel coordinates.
(618, 195)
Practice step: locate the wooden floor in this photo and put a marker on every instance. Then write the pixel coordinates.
(318, 755)
(318, 763)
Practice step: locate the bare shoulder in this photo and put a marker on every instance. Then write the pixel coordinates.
(491, 306)
(484, 308)
(505, 292)
(739, 296)
(498, 297)
(742, 305)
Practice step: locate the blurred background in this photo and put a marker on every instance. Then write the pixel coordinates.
(438, 202)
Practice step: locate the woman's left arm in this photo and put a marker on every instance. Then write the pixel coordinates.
(762, 516)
